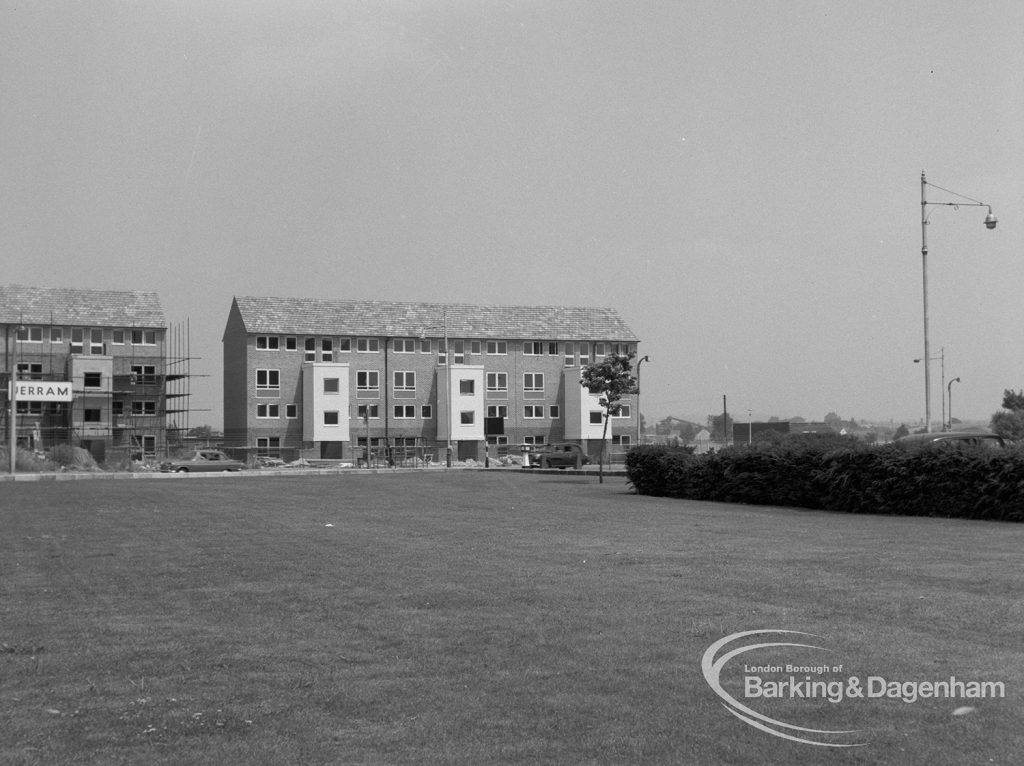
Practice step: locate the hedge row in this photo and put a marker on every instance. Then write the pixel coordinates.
(947, 482)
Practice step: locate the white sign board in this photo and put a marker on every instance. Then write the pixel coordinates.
(42, 391)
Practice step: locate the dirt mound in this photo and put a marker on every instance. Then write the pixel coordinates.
(73, 458)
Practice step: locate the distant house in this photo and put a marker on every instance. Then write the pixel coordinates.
(703, 440)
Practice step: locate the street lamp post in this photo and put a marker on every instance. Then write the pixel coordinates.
(949, 397)
(639, 433)
(942, 388)
(990, 223)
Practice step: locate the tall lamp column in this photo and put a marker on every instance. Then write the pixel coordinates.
(639, 433)
(990, 223)
(949, 398)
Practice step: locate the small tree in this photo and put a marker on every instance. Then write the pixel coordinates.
(1013, 400)
(612, 378)
(1009, 421)
(720, 427)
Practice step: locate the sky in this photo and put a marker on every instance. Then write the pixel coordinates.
(741, 181)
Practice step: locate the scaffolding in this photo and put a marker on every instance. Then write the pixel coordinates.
(125, 407)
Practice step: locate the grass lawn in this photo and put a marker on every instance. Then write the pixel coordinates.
(472, 617)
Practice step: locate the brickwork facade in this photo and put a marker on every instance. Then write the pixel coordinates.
(110, 345)
(406, 388)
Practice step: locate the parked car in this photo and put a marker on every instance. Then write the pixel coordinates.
(558, 456)
(963, 438)
(202, 460)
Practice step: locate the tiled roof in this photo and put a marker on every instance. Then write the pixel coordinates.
(69, 305)
(309, 316)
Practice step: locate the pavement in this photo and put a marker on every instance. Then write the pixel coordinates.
(590, 470)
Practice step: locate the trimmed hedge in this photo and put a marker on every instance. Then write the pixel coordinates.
(936, 480)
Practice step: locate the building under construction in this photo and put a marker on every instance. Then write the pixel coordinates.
(128, 371)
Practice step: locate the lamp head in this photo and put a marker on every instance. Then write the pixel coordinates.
(990, 220)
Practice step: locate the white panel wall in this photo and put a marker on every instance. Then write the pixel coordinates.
(453, 377)
(316, 401)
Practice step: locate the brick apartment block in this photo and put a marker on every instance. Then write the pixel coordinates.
(327, 378)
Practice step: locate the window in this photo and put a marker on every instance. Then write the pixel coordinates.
(467, 387)
(30, 334)
(345, 345)
(326, 350)
(601, 350)
(533, 382)
(331, 418)
(426, 412)
(552, 349)
(405, 381)
(96, 342)
(426, 346)
(145, 374)
(497, 381)
(496, 347)
(57, 335)
(458, 352)
(268, 411)
(117, 407)
(405, 346)
(497, 410)
(596, 417)
(625, 411)
(533, 411)
(267, 342)
(535, 440)
(467, 417)
(442, 352)
(332, 386)
(570, 357)
(291, 343)
(291, 411)
(268, 446)
(533, 348)
(474, 347)
(368, 380)
(310, 347)
(554, 412)
(268, 381)
(368, 345)
(92, 379)
(144, 407)
(36, 408)
(144, 337)
(91, 416)
(31, 371)
(498, 441)
(364, 411)
(584, 354)
(405, 411)
(621, 440)
(77, 340)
